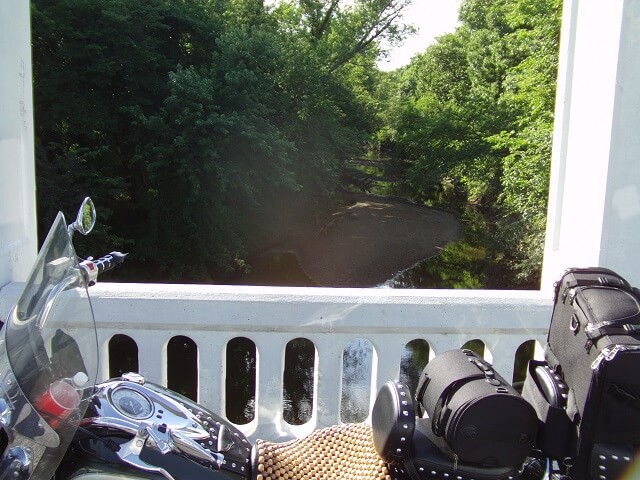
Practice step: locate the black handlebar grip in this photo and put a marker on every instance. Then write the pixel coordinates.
(109, 261)
(93, 268)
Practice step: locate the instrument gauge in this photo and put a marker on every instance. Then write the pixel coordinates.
(131, 404)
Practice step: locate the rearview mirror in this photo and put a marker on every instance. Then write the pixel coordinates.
(86, 218)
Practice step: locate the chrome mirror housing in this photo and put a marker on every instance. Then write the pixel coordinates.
(86, 218)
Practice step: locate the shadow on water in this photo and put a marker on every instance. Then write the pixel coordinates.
(466, 264)
(275, 268)
(478, 261)
(459, 265)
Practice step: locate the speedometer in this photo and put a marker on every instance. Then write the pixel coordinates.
(131, 403)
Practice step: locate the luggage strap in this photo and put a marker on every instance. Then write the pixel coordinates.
(594, 333)
(440, 418)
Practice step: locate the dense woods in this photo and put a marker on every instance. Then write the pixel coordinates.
(204, 128)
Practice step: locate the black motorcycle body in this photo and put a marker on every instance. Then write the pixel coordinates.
(208, 447)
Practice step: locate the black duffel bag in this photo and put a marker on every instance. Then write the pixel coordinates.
(476, 416)
(594, 346)
(406, 444)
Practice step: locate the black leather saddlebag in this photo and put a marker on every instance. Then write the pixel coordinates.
(475, 415)
(594, 345)
(407, 444)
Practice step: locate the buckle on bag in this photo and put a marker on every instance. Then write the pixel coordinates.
(574, 324)
(607, 353)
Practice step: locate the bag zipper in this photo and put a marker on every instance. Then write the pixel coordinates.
(591, 327)
(608, 353)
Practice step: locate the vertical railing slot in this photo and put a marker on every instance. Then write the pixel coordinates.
(182, 366)
(477, 346)
(240, 380)
(413, 359)
(357, 374)
(524, 353)
(298, 381)
(123, 355)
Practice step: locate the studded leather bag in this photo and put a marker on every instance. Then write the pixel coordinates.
(476, 416)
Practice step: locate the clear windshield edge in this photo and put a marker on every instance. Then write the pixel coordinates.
(51, 348)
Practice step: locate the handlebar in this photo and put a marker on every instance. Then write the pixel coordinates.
(92, 268)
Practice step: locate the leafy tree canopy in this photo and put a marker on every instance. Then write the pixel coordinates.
(201, 127)
(204, 128)
(475, 111)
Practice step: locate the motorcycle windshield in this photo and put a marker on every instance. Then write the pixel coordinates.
(51, 345)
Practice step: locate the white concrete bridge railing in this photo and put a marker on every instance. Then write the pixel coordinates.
(330, 318)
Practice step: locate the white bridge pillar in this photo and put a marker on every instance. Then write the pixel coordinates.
(18, 237)
(594, 201)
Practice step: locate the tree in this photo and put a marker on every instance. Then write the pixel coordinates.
(201, 128)
(475, 112)
(95, 66)
(530, 93)
(214, 161)
(337, 31)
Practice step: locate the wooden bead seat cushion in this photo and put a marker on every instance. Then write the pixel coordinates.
(340, 452)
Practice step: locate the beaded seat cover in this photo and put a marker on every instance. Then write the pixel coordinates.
(341, 452)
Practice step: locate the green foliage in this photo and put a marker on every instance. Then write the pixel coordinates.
(94, 63)
(211, 158)
(337, 33)
(474, 116)
(200, 128)
(204, 128)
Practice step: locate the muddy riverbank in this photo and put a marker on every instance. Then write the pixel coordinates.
(366, 243)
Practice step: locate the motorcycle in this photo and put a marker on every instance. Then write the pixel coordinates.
(57, 422)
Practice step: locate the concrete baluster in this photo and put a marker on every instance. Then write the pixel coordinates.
(269, 367)
(329, 351)
(440, 343)
(152, 355)
(388, 351)
(211, 370)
